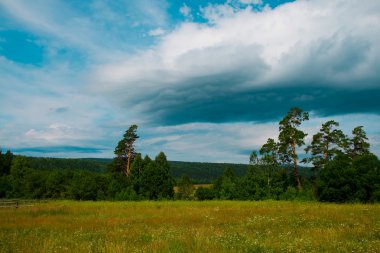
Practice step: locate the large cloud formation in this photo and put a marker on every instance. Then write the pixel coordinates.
(249, 65)
(204, 83)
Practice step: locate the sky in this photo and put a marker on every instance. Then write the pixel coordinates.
(204, 80)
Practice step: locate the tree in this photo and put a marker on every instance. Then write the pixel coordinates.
(35, 184)
(185, 188)
(225, 185)
(5, 186)
(327, 143)
(337, 181)
(136, 170)
(269, 152)
(358, 144)
(54, 184)
(156, 181)
(255, 183)
(265, 178)
(345, 179)
(367, 172)
(202, 193)
(5, 162)
(163, 168)
(146, 161)
(84, 186)
(19, 170)
(125, 150)
(269, 160)
(1, 164)
(290, 137)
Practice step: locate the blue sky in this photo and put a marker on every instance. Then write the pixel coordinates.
(204, 80)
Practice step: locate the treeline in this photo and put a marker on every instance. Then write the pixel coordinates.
(343, 179)
(207, 173)
(150, 179)
(199, 172)
(47, 163)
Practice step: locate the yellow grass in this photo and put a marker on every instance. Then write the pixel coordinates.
(195, 186)
(214, 226)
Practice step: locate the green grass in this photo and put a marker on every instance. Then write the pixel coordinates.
(215, 226)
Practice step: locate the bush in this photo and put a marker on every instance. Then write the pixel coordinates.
(127, 194)
(203, 193)
(5, 186)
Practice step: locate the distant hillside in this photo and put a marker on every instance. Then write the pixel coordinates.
(204, 172)
(208, 172)
(91, 164)
(199, 172)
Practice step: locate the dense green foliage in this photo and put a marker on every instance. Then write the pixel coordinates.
(345, 179)
(155, 180)
(200, 173)
(203, 193)
(5, 162)
(23, 181)
(89, 164)
(258, 184)
(204, 172)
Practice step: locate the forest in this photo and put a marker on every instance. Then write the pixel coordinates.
(338, 168)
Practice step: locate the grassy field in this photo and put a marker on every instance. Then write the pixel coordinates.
(216, 226)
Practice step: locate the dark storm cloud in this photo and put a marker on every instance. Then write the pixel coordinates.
(58, 149)
(61, 109)
(263, 105)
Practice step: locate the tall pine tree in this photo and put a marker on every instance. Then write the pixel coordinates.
(327, 143)
(291, 137)
(358, 144)
(125, 150)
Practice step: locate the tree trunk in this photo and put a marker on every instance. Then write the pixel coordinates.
(128, 171)
(326, 153)
(299, 186)
(326, 156)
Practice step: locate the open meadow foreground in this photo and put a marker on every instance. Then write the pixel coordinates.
(177, 226)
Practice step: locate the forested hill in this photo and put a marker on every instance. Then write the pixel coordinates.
(199, 172)
(204, 172)
(88, 164)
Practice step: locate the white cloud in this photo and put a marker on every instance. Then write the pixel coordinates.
(47, 106)
(306, 43)
(186, 11)
(324, 43)
(256, 2)
(233, 142)
(207, 141)
(287, 39)
(101, 30)
(54, 134)
(157, 32)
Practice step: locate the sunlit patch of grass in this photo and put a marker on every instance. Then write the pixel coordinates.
(180, 226)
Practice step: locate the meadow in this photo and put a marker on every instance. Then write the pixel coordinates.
(180, 226)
